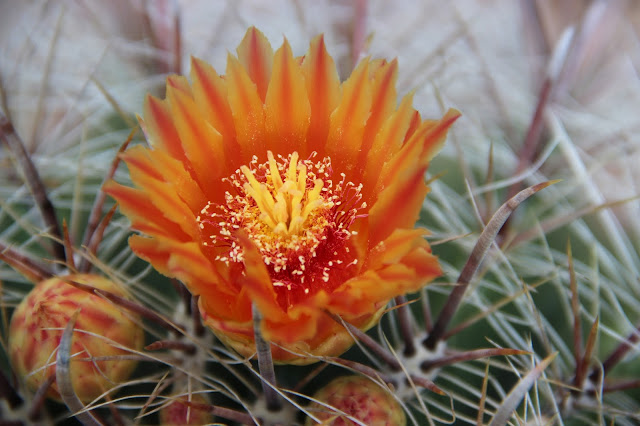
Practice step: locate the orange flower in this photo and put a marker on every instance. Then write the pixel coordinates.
(277, 185)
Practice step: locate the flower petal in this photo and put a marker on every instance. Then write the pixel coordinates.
(246, 108)
(257, 281)
(402, 264)
(387, 142)
(136, 205)
(323, 89)
(256, 55)
(348, 121)
(161, 166)
(210, 94)
(200, 141)
(403, 180)
(159, 128)
(383, 105)
(287, 110)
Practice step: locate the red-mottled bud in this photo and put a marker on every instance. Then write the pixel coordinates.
(186, 410)
(359, 398)
(101, 328)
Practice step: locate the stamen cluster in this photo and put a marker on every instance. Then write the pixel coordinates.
(294, 213)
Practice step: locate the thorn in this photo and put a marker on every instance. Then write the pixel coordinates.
(39, 398)
(34, 183)
(96, 239)
(265, 364)
(188, 348)
(98, 204)
(406, 326)
(24, 265)
(475, 258)
(375, 347)
(68, 247)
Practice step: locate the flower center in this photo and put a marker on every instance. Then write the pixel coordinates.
(295, 214)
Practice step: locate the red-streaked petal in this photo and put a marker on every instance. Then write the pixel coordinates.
(287, 110)
(247, 110)
(200, 141)
(160, 129)
(348, 121)
(136, 205)
(420, 148)
(258, 282)
(387, 142)
(403, 180)
(210, 94)
(383, 104)
(256, 55)
(373, 289)
(323, 90)
(161, 166)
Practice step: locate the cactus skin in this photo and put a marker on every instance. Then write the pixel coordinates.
(360, 398)
(36, 329)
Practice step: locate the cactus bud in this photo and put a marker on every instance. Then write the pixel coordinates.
(357, 397)
(37, 325)
(186, 410)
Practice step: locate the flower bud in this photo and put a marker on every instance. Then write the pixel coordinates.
(357, 397)
(181, 413)
(101, 329)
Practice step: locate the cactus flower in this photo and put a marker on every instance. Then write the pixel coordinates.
(37, 325)
(278, 185)
(359, 398)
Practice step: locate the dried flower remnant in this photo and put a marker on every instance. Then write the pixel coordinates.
(358, 398)
(279, 186)
(101, 331)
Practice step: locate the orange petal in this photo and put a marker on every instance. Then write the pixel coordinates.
(257, 281)
(348, 121)
(161, 166)
(403, 180)
(200, 141)
(383, 105)
(420, 148)
(185, 186)
(323, 89)
(287, 110)
(159, 128)
(256, 55)
(210, 94)
(164, 197)
(387, 142)
(144, 216)
(247, 110)
(373, 289)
